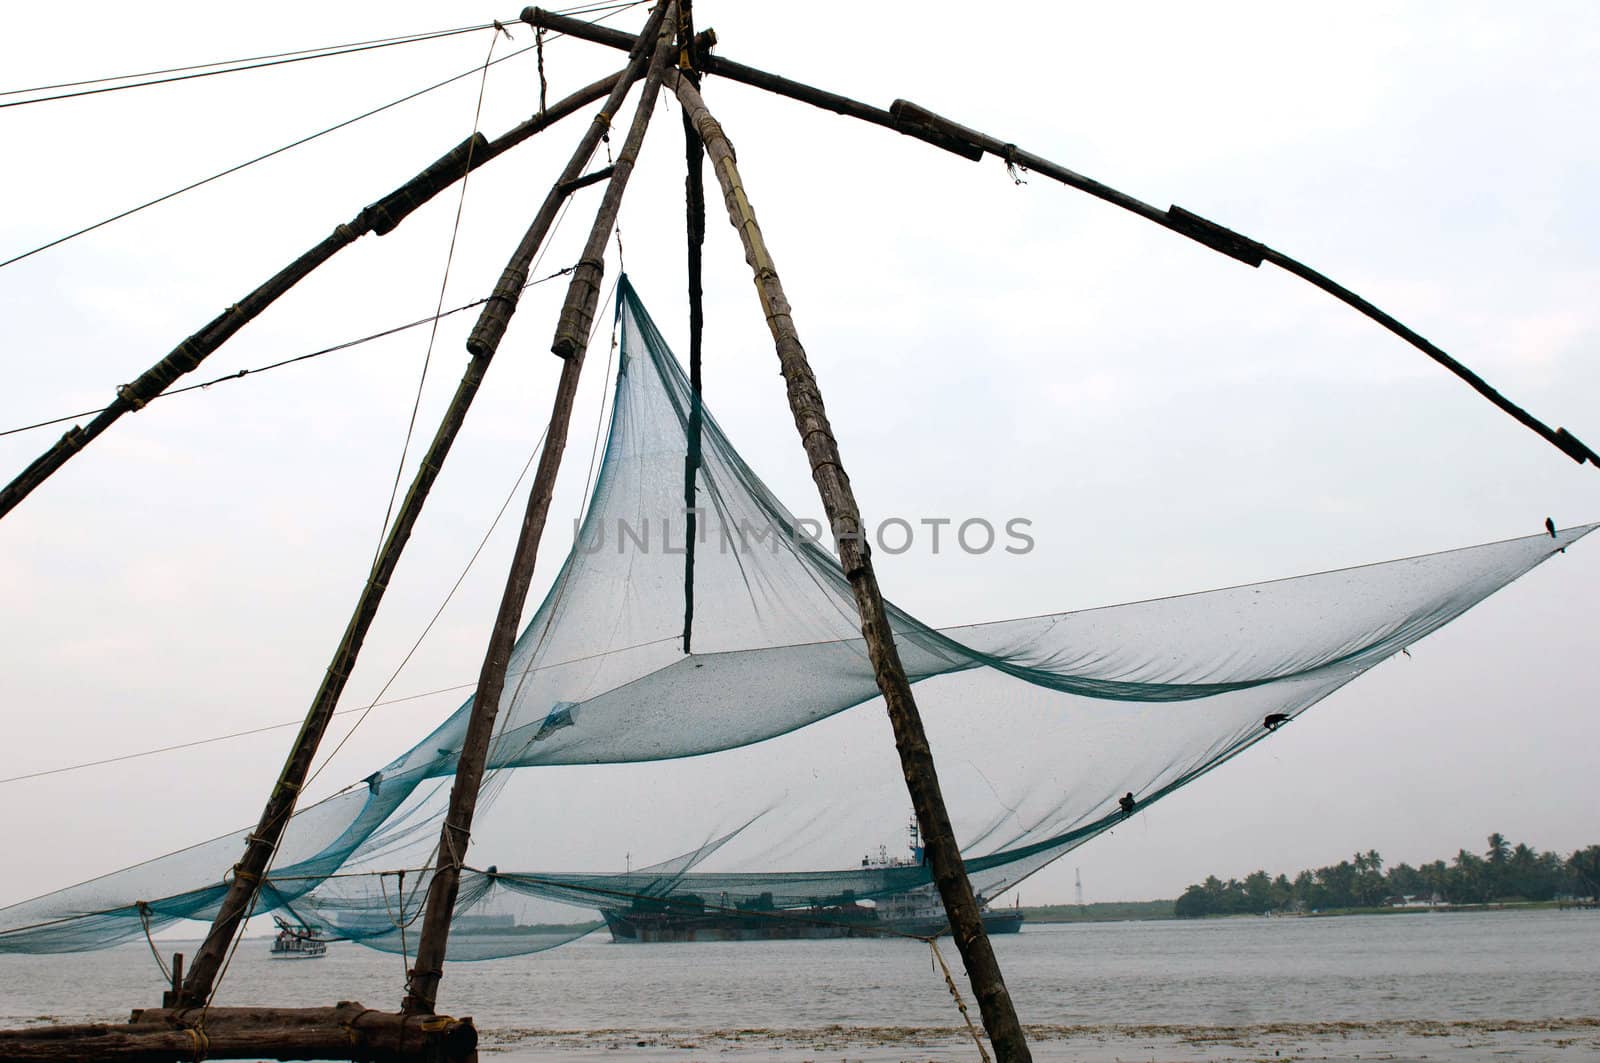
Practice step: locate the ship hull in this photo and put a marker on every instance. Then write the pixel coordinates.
(647, 928)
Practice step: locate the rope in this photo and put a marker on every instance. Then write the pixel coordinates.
(298, 723)
(444, 282)
(955, 993)
(538, 44)
(144, 921)
(537, 446)
(238, 939)
(622, 267)
(251, 162)
(288, 361)
(534, 268)
(402, 923)
(297, 143)
(230, 66)
(600, 414)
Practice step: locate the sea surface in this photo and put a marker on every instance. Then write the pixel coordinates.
(1437, 986)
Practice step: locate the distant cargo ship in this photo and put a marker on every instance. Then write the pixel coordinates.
(686, 918)
(916, 912)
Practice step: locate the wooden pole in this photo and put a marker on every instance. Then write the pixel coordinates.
(695, 224)
(162, 1035)
(570, 343)
(381, 217)
(914, 121)
(838, 501)
(250, 871)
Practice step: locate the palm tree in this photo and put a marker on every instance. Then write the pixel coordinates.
(1499, 849)
(1523, 867)
(1467, 878)
(1585, 865)
(1497, 854)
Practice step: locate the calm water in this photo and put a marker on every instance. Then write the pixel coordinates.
(1521, 985)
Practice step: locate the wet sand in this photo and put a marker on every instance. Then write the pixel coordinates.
(1335, 1042)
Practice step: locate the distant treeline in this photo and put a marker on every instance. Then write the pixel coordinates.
(1505, 872)
(1099, 912)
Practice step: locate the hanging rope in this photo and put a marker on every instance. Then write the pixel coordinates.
(955, 993)
(144, 921)
(403, 922)
(444, 283)
(622, 267)
(544, 86)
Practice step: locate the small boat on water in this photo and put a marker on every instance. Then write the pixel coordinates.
(297, 942)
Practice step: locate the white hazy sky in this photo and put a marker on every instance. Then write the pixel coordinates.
(1168, 419)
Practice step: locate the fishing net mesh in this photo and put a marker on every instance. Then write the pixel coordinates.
(732, 773)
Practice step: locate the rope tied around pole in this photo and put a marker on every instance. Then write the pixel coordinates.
(1008, 154)
(240, 874)
(451, 831)
(202, 1043)
(127, 394)
(955, 993)
(350, 1025)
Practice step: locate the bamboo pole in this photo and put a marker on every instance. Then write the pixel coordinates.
(249, 873)
(838, 500)
(582, 294)
(380, 217)
(711, 64)
(695, 225)
(908, 118)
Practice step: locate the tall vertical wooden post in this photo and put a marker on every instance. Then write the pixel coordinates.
(695, 211)
(838, 501)
(570, 342)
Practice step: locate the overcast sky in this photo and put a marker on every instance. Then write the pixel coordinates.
(1168, 419)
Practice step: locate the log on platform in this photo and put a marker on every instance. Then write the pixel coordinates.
(347, 1031)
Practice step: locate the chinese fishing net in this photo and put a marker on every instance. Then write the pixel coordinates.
(747, 777)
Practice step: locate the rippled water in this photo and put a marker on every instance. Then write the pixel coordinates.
(1522, 985)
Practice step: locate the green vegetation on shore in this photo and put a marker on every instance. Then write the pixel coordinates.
(1101, 912)
(1505, 874)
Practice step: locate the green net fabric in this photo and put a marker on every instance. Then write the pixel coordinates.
(748, 777)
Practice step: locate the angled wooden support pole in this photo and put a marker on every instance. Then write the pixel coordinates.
(914, 121)
(250, 872)
(456, 832)
(838, 500)
(381, 217)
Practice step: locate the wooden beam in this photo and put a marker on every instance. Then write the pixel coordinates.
(749, 75)
(161, 1035)
(380, 217)
(582, 292)
(838, 500)
(908, 118)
